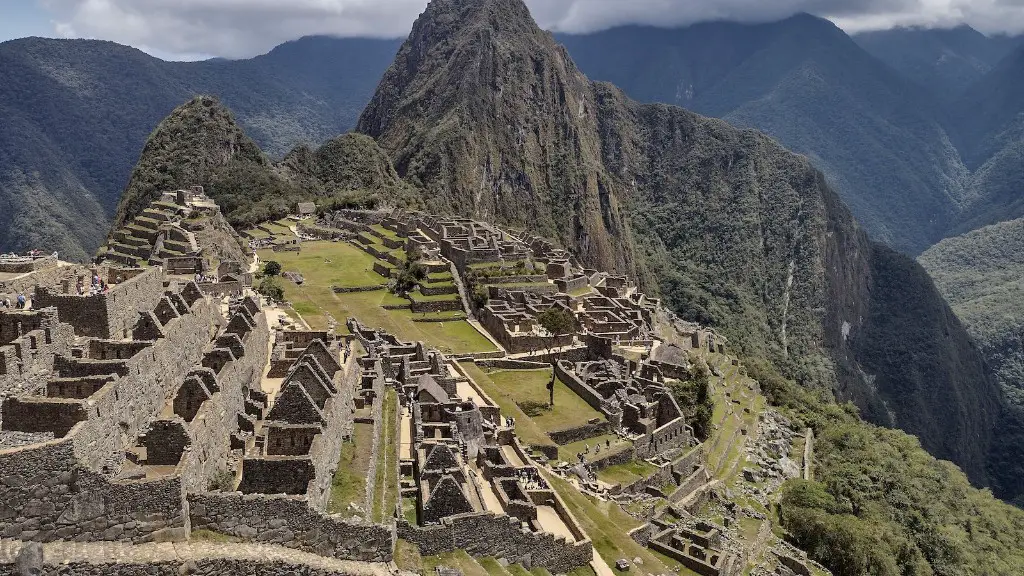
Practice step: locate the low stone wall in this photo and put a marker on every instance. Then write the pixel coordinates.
(691, 483)
(26, 265)
(570, 435)
(570, 379)
(511, 364)
(438, 306)
(572, 284)
(381, 269)
(290, 522)
(444, 289)
(660, 478)
(537, 279)
(486, 534)
(354, 289)
(621, 457)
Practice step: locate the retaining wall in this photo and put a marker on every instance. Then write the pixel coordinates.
(486, 534)
(290, 522)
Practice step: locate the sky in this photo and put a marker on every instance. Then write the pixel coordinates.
(194, 29)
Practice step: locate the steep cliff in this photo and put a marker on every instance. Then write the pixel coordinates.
(489, 115)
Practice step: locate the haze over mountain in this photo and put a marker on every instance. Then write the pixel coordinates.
(77, 112)
(876, 135)
(945, 61)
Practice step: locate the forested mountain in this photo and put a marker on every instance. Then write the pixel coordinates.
(76, 114)
(201, 141)
(492, 118)
(876, 135)
(981, 274)
(945, 61)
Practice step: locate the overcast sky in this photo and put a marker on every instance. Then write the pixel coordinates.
(189, 29)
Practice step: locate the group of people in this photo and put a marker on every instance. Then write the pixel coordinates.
(96, 286)
(20, 303)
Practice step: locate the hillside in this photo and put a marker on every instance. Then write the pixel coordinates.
(735, 231)
(981, 274)
(77, 112)
(875, 135)
(946, 61)
(201, 141)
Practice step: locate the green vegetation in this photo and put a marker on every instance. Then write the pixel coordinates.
(527, 391)
(628, 473)
(557, 321)
(327, 264)
(270, 289)
(610, 444)
(694, 400)
(880, 504)
(608, 527)
(272, 268)
(385, 484)
(349, 483)
(529, 431)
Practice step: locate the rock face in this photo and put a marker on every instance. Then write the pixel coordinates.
(489, 115)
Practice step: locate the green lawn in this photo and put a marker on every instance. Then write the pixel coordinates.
(385, 495)
(523, 395)
(350, 266)
(385, 232)
(626, 474)
(325, 264)
(256, 233)
(581, 292)
(349, 483)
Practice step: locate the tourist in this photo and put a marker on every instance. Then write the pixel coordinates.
(5, 303)
(21, 301)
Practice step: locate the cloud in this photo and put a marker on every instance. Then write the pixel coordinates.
(243, 28)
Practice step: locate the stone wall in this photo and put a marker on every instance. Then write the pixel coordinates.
(437, 306)
(570, 435)
(24, 265)
(290, 522)
(45, 495)
(111, 315)
(592, 397)
(486, 534)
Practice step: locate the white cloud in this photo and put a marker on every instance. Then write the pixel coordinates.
(243, 28)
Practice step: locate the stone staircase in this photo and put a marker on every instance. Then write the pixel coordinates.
(151, 237)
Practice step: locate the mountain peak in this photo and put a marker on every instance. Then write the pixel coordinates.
(197, 138)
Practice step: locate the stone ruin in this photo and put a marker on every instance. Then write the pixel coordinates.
(137, 414)
(158, 236)
(469, 477)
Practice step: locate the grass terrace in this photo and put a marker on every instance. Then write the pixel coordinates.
(610, 444)
(324, 264)
(628, 473)
(385, 495)
(608, 527)
(349, 484)
(523, 395)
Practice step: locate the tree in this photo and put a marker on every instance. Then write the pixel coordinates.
(557, 321)
(409, 275)
(271, 268)
(271, 290)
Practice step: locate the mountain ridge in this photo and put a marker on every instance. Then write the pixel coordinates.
(87, 107)
(736, 231)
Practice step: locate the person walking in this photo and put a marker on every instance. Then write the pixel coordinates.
(21, 301)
